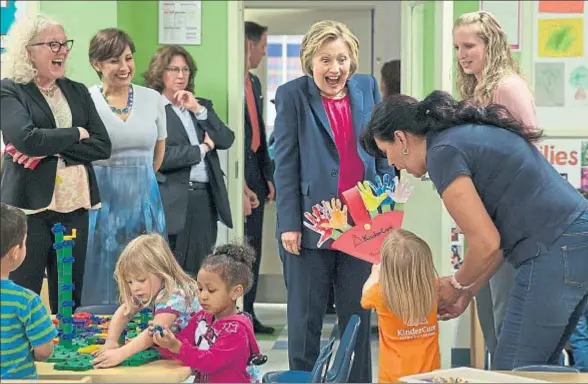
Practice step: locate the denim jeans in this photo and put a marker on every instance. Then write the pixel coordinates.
(546, 301)
(579, 343)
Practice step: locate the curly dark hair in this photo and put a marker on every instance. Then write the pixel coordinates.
(437, 112)
(160, 60)
(234, 263)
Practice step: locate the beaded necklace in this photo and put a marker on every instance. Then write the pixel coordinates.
(119, 111)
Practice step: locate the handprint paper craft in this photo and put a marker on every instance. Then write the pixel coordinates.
(401, 193)
(337, 214)
(382, 188)
(364, 239)
(371, 201)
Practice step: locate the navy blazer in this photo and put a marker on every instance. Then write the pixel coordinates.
(306, 158)
(180, 155)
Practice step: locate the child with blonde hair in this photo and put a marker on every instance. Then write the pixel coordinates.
(148, 276)
(219, 343)
(403, 291)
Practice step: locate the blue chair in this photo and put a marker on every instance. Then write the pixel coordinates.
(547, 368)
(314, 376)
(105, 309)
(341, 367)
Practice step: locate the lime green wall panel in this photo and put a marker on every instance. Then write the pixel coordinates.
(81, 20)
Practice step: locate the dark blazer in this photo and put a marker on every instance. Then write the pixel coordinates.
(28, 123)
(260, 159)
(306, 158)
(180, 156)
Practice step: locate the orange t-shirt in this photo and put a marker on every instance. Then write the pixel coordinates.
(404, 349)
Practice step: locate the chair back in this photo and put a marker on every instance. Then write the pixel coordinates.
(546, 368)
(341, 368)
(316, 375)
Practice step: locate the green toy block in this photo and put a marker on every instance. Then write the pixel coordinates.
(77, 364)
(141, 358)
(62, 354)
(131, 326)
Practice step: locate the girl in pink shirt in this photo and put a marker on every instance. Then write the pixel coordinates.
(218, 342)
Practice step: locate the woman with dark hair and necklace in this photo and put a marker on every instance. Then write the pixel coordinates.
(52, 134)
(135, 119)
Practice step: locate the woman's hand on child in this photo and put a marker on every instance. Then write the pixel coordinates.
(107, 358)
(167, 340)
(452, 301)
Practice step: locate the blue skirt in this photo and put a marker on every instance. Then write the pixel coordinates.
(131, 206)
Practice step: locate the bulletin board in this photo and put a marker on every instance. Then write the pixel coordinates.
(560, 66)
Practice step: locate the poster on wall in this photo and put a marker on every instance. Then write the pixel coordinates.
(180, 22)
(508, 14)
(457, 247)
(569, 157)
(560, 55)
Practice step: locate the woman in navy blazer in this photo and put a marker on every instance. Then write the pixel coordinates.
(319, 118)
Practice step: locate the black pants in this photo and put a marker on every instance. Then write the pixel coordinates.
(310, 277)
(197, 239)
(253, 232)
(41, 255)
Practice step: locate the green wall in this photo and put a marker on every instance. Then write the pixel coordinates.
(139, 20)
(81, 20)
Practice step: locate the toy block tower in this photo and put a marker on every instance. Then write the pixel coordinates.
(63, 246)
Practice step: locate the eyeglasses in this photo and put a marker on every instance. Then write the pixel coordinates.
(55, 46)
(178, 70)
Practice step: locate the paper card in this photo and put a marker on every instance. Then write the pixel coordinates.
(561, 6)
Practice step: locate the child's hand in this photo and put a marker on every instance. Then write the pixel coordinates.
(107, 345)
(375, 272)
(167, 340)
(106, 358)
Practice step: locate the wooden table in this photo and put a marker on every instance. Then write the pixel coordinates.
(161, 371)
(552, 376)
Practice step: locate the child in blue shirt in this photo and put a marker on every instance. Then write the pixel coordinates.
(26, 330)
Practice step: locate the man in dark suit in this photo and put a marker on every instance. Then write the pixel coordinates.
(258, 167)
(191, 181)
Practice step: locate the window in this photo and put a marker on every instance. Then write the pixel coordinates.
(283, 65)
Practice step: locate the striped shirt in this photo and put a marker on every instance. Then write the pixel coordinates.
(24, 325)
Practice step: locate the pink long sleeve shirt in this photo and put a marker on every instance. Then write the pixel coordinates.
(218, 350)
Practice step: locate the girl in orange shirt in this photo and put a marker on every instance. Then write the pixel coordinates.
(402, 290)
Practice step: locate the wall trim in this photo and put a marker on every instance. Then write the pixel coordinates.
(236, 115)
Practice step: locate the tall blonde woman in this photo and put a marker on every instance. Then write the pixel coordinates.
(319, 118)
(52, 134)
(135, 119)
(488, 74)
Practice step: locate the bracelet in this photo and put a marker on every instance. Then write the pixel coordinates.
(458, 286)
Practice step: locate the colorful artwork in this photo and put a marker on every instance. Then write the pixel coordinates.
(561, 6)
(584, 181)
(579, 82)
(376, 209)
(550, 84)
(584, 154)
(561, 37)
